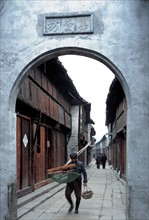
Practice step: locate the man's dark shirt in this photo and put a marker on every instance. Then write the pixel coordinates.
(81, 170)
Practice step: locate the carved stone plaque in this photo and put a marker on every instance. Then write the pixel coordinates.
(76, 24)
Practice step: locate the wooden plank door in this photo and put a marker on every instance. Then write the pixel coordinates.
(26, 148)
(123, 156)
(40, 158)
(23, 155)
(61, 148)
(49, 149)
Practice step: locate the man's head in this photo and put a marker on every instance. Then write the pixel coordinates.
(73, 157)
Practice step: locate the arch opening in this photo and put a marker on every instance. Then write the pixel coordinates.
(60, 52)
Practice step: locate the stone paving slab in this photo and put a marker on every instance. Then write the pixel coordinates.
(107, 203)
(32, 215)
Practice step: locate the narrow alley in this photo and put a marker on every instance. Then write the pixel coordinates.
(44, 116)
(107, 203)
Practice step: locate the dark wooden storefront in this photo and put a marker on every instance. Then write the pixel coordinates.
(116, 120)
(43, 126)
(33, 159)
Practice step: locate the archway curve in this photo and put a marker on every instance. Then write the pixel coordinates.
(35, 61)
(66, 51)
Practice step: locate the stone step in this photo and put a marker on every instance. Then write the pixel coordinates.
(28, 202)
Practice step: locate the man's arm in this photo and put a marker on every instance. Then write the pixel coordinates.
(84, 174)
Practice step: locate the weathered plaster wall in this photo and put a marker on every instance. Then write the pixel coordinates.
(120, 36)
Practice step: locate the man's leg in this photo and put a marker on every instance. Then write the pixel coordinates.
(77, 191)
(103, 165)
(68, 191)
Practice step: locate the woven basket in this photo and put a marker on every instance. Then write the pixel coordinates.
(87, 193)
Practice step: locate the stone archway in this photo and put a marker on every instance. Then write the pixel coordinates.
(46, 56)
(118, 40)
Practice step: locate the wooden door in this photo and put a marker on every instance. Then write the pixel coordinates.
(23, 155)
(49, 149)
(61, 149)
(40, 156)
(123, 156)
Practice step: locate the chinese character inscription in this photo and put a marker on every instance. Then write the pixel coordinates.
(68, 25)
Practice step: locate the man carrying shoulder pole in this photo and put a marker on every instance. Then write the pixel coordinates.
(76, 184)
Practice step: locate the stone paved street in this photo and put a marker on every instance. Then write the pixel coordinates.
(107, 203)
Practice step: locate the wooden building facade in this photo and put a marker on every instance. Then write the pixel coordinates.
(44, 123)
(116, 115)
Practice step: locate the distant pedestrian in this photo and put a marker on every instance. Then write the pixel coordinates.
(76, 184)
(103, 159)
(98, 161)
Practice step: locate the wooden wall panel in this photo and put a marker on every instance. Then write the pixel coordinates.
(37, 75)
(34, 129)
(40, 100)
(26, 90)
(55, 111)
(54, 146)
(54, 92)
(123, 156)
(121, 115)
(42, 103)
(49, 150)
(59, 97)
(120, 123)
(60, 148)
(51, 107)
(34, 94)
(40, 157)
(46, 108)
(67, 120)
(61, 114)
(44, 83)
(43, 148)
(32, 73)
(50, 87)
